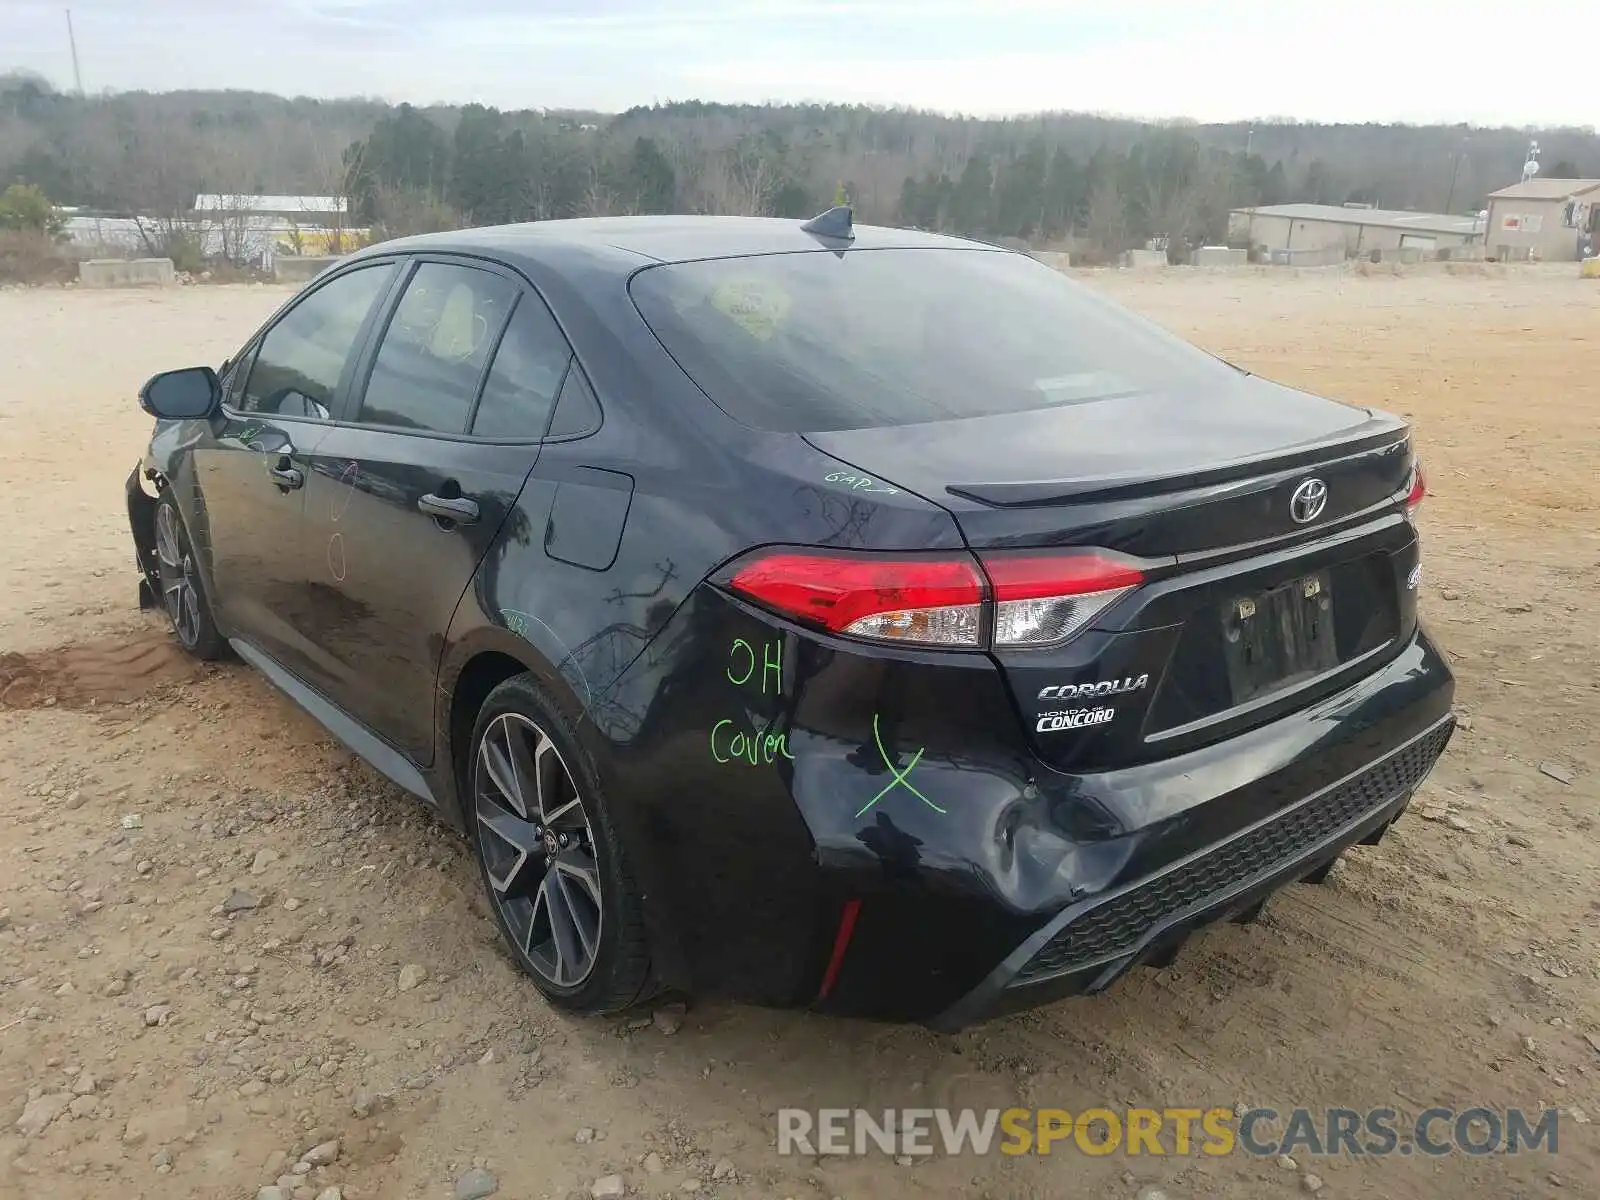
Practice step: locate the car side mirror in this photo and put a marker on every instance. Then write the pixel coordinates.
(182, 395)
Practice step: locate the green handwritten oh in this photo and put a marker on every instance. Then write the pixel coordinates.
(742, 664)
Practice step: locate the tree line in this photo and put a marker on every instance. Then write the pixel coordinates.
(1106, 182)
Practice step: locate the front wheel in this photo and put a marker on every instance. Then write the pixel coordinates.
(556, 875)
(183, 596)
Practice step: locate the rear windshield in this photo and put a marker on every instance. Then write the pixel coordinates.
(868, 338)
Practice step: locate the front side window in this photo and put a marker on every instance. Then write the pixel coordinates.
(297, 370)
(432, 359)
(527, 373)
(238, 375)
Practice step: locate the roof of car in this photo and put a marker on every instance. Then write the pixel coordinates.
(665, 239)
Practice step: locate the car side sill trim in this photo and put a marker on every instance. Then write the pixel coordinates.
(388, 761)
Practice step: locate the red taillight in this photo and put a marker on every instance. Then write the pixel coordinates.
(1035, 598)
(1044, 599)
(926, 600)
(1419, 488)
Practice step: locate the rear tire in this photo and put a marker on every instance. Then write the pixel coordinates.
(554, 871)
(181, 593)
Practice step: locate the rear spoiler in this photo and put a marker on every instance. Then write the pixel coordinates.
(1380, 433)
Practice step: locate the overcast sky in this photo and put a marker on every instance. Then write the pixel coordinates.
(1325, 60)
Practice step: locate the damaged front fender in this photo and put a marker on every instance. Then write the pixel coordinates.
(142, 523)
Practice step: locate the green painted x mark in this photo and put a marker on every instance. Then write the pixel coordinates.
(899, 779)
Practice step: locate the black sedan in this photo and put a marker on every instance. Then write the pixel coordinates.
(811, 614)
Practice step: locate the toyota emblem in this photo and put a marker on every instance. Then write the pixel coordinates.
(1308, 501)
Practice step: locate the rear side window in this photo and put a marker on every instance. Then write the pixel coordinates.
(302, 358)
(432, 358)
(577, 411)
(822, 341)
(526, 375)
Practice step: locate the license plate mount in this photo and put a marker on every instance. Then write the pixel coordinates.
(1277, 638)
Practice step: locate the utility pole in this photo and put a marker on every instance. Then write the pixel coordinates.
(1456, 160)
(77, 75)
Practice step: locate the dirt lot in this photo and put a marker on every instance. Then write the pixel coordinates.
(203, 1050)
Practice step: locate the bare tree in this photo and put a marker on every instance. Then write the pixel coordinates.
(330, 177)
(1107, 226)
(1181, 206)
(754, 177)
(598, 200)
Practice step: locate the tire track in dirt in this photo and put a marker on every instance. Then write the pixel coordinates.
(89, 674)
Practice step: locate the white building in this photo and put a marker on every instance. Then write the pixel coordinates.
(1353, 229)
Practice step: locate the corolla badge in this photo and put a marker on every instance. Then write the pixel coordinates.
(1083, 691)
(1308, 501)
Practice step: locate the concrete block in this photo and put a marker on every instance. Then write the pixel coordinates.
(1141, 259)
(301, 268)
(1396, 254)
(1220, 256)
(1059, 259)
(126, 272)
(1322, 256)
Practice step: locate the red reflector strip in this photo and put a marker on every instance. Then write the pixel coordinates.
(835, 591)
(841, 943)
(1419, 486)
(1036, 576)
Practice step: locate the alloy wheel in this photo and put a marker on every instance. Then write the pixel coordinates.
(175, 567)
(538, 850)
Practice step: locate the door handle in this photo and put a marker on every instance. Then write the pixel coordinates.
(286, 477)
(450, 508)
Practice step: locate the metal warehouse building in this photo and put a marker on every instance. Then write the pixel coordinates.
(1543, 218)
(1344, 230)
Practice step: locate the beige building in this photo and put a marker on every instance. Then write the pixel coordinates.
(1354, 229)
(1544, 219)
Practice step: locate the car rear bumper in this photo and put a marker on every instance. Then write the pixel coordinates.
(1062, 892)
(897, 851)
(1090, 944)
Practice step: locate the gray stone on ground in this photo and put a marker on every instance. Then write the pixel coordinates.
(412, 976)
(321, 1155)
(476, 1184)
(37, 1114)
(669, 1018)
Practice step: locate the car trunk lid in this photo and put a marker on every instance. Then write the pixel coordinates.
(1252, 603)
(1147, 474)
